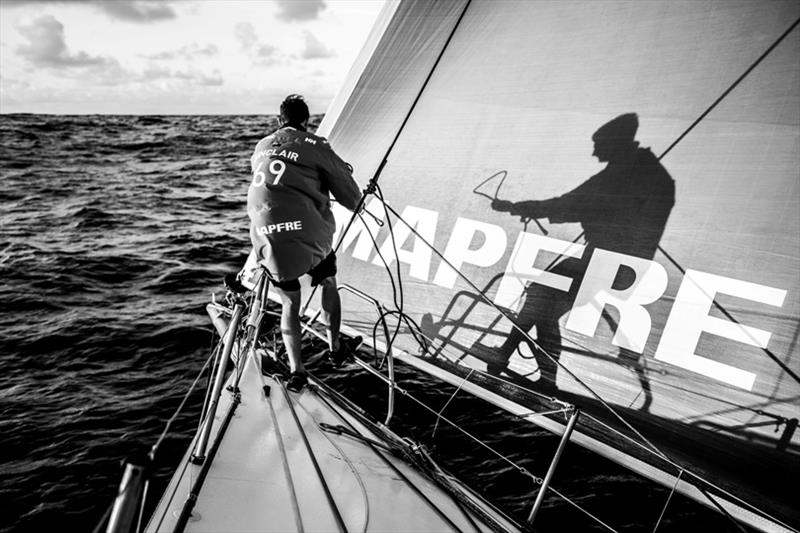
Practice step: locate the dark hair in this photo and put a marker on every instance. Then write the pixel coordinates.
(294, 110)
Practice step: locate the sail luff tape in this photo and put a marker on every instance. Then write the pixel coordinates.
(419, 94)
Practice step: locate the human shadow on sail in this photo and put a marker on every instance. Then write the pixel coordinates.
(623, 208)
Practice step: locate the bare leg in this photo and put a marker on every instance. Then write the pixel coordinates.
(331, 311)
(290, 328)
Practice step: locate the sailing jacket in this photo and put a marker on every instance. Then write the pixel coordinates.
(288, 202)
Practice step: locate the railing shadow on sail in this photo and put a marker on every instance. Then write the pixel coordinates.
(697, 480)
(389, 379)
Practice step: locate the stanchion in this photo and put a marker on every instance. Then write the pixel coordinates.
(125, 512)
(553, 464)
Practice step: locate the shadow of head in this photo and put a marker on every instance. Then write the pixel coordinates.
(614, 140)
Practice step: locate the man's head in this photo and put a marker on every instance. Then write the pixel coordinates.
(294, 111)
(616, 138)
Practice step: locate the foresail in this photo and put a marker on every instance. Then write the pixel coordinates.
(661, 276)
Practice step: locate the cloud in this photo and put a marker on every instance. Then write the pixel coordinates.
(294, 10)
(248, 39)
(315, 49)
(137, 11)
(198, 78)
(46, 46)
(266, 50)
(246, 35)
(188, 52)
(129, 10)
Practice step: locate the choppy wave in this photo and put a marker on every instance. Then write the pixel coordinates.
(115, 229)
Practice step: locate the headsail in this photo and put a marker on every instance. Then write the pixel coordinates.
(677, 306)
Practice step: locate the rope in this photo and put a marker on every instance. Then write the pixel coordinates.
(362, 487)
(391, 465)
(666, 504)
(387, 207)
(584, 511)
(157, 445)
(298, 520)
(731, 88)
(374, 179)
(522, 470)
(525, 333)
(439, 414)
(738, 80)
(334, 509)
(703, 480)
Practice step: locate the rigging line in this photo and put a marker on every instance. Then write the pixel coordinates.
(763, 56)
(723, 511)
(334, 508)
(391, 279)
(419, 93)
(105, 517)
(191, 500)
(386, 461)
(209, 381)
(350, 466)
(528, 337)
(448, 481)
(730, 317)
(734, 498)
(298, 519)
(157, 445)
(584, 511)
(666, 504)
(731, 88)
(178, 475)
(522, 470)
(439, 414)
(400, 293)
(376, 175)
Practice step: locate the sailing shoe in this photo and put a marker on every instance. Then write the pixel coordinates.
(297, 381)
(346, 348)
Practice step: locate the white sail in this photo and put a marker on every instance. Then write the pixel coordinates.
(689, 324)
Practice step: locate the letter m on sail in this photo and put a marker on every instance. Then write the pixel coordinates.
(359, 231)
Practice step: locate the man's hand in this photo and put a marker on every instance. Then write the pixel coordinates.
(502, 205)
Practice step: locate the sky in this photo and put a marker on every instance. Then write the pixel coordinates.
(176, 57)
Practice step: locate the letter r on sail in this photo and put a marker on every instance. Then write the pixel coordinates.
(595, 293)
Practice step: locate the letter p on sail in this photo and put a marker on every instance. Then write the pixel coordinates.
(520, 269)
(459, 251)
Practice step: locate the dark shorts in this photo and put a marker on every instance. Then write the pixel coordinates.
(324, 269)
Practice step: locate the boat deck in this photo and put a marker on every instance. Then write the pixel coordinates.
(279, 467)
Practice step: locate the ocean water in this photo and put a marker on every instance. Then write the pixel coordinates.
(114, 231)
